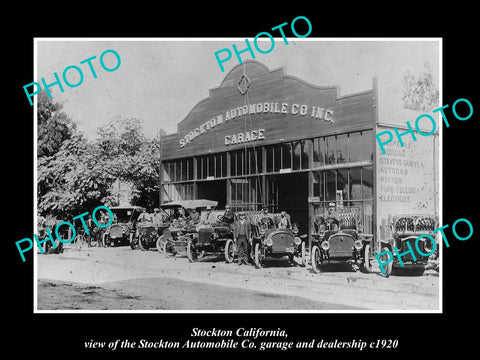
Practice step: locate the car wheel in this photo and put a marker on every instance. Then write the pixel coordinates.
(229, 252)
(46, 247)
(169, 249)
(316, 260)
(105, 240)
(303, 257)
(367, 264)
(388, 269)
(142, 242)
(191, 251)
(133, 242)
(257, 256)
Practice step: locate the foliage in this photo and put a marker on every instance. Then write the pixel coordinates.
(80, 174)
(420, 93)
(54, 126)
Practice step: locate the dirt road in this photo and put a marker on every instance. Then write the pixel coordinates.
(124, 279)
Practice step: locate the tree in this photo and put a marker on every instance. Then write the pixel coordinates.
(420, 93)
(54, 126)
(80, 174)
(74, 180)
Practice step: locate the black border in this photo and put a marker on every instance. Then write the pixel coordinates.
(427, 334)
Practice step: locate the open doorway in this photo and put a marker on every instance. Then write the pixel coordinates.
(213, 190)
(292, 196)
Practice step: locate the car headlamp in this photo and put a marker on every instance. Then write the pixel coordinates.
(268, 242)
(325, 245)
(358, 245)
(214, 236)
(297, 241)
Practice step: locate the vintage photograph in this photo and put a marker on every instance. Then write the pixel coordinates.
(164, 184)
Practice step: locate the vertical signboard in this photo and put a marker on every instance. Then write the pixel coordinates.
(407, 179)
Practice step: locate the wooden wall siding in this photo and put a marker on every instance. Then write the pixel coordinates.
(351, 113)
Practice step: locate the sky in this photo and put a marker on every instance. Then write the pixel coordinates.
(160, 80)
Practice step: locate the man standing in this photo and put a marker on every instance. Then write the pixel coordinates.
(242, 232)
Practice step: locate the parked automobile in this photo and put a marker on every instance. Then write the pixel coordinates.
(406, 228)
(339, 241)
(122, 230)
(179, 237)
(148, 233)
(271, 242)
(215, 236)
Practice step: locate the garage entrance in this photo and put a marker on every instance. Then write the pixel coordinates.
(289, 192)
(213, 190)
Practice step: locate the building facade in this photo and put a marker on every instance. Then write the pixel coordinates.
(266, 138)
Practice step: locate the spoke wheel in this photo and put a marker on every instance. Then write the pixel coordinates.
(192, 253)
(257, 255)
(316, 260)
(367, 262)
(229, 252)
(389, 267)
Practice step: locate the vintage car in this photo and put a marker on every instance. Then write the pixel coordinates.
(147, 234)
(215, 236)
(122, 230)
(178, 238)
(339, 241)
(269, 241)
(47, 246)
(407, 228)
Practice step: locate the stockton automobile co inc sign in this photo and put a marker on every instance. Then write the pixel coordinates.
(316, 112)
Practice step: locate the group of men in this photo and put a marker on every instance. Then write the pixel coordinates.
(156, 217)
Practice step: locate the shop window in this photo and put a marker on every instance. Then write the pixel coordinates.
(330, 150)
(355, 147)
(269, 158)
(166, 175)
(184, 169)
(218, 166)
(318, 184)
(342, 149)
(367, 182)
(355, 184)
(367, 145)
(233, 164)
(178, 171)
(286, 156)
(277, 155)
(204, 167)
(190, 169)
(224, 164)
(318, 152)
(254, 161)
(240, 162)
(342, 187)
(297, 153)
(304, 154)
(211, 166)
(330, 185)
